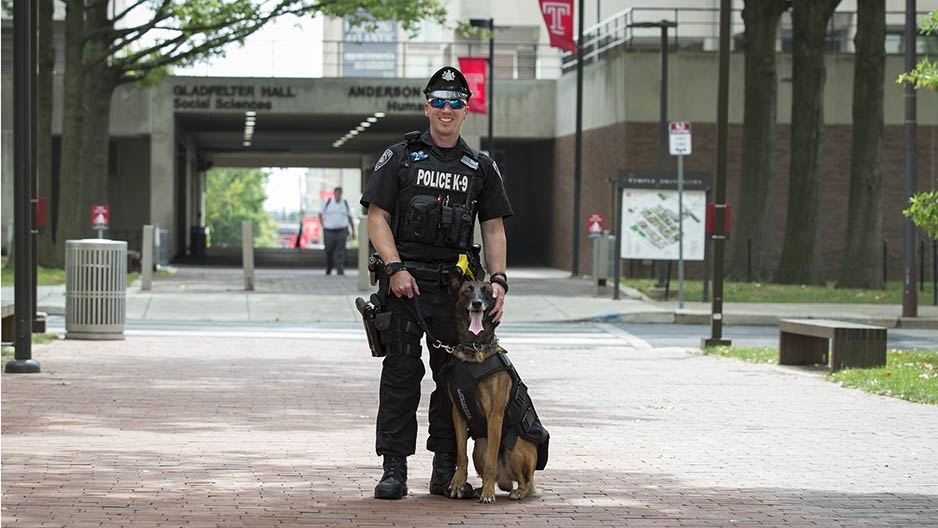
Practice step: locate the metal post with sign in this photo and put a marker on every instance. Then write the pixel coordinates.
(679, 141)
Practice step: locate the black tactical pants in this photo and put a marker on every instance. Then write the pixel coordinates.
(403, 370)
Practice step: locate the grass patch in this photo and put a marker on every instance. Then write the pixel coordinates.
(38, 339)
(752, 355)
(53, 276)
(44, 276)
(909, 374)
(784, 293)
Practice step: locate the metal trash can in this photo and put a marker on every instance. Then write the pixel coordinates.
(95, 288)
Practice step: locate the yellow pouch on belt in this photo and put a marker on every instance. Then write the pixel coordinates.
(463, 264)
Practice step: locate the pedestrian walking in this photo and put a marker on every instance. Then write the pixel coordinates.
(337, 222)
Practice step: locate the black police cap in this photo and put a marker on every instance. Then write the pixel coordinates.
(448, 83)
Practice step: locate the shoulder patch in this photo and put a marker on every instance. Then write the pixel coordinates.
(386, 157)
(495, 166)
(469, 162)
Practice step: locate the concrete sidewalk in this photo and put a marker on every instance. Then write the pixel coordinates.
(221, 432)
(537, 295)
(278, 431)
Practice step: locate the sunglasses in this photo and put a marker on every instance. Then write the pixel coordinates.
(455, 104)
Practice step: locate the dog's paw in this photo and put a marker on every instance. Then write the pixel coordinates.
(459, 490)
(487, 498)
(517, 494)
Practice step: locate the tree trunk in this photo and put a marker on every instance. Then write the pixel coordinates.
(70, 225)
(45, 243)
(93, 169)
(800, 260)
(759, 122)
(86, 123)
(861, 267)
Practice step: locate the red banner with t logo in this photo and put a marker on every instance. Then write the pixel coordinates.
(474, 69)
(558, 15)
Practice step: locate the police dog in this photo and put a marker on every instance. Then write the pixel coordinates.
(493, 461)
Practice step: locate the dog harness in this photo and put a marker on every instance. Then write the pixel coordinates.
(520, 417)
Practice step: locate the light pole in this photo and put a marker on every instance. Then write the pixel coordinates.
(909, 295)
(489, 24)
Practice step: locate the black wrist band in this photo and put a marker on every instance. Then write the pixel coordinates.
(500, 274)
(500, 281)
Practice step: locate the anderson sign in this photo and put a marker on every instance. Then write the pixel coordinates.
(228, 96)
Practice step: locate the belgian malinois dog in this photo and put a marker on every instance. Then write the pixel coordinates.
(488, 410)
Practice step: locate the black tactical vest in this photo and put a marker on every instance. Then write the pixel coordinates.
(520, 417)
(438, 199)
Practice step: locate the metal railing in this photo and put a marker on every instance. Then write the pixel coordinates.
(698, 29)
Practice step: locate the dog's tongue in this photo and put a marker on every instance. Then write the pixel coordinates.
(475, 322)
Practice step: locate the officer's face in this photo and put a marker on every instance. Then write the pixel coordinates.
(445, 123)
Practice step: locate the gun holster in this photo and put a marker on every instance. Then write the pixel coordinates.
(369, 310)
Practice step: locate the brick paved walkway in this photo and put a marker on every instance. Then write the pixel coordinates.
(255, 433)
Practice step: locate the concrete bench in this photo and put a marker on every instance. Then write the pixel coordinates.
(851, 345)
(8, 323)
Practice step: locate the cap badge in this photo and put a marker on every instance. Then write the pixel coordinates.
(448, 75)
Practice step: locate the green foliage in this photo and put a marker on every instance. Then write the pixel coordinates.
(923, 207)
(232, 196)
(925, 74)
(143, 42)
(923, 210)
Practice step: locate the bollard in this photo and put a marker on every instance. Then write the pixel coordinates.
(247, 253)
(600, 262)
(364, 251)
(146, 259)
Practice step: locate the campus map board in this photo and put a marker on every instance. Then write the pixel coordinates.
(650, 224)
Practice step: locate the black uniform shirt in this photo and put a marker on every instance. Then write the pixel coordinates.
(384, 185)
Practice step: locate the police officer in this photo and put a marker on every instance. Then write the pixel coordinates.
(422, 200)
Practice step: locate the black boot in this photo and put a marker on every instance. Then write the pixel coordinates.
(444, 467)
(393, 483)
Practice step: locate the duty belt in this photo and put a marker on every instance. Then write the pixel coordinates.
(438, 273)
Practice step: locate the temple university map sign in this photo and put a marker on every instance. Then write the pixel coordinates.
(649, 214)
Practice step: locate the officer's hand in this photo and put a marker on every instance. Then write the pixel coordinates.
(498, 293)
(403, 284)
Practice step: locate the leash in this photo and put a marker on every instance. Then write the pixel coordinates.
(436, 343)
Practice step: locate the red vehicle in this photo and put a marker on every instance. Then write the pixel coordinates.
(310, 236)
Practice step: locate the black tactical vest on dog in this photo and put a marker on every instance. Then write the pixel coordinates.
(438, 198)
(520, 417)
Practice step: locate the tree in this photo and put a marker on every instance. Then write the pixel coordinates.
(923, 207)
(864, 210)
(800, 260)
(759, 123)
(232, 196)
(45, 243)
(105, 49)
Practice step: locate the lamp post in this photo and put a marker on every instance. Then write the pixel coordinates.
(909, 295)
(663, 111)
(489, 24)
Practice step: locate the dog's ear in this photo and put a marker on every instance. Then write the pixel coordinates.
(456, 279)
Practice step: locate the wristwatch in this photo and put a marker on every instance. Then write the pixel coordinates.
(393, 267)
